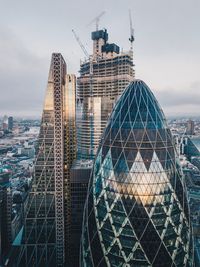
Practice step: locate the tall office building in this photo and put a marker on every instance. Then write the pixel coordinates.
(47, 222)
(102, 80)
(136, 212)
(5, 122)
(10, 123)
(80, 174)
(190, 127)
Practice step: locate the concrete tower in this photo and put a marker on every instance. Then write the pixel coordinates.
(102, 80)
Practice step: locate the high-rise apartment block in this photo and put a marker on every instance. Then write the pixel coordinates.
(102, 80)
(47, 219)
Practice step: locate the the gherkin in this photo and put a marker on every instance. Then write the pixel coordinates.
(136, 213)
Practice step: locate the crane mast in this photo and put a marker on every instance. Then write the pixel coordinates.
(91, 110)
(97, 19)
(80, 44)
(131, 39)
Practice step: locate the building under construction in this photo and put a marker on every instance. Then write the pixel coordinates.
(103, 77)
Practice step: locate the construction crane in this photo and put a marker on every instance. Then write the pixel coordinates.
(97, 19)
(80, 43)
(131, 39)
(91, 111)
(85, 52)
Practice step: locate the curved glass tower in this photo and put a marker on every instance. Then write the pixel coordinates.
(136, 212)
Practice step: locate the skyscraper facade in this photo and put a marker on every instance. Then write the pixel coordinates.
(136, 212)
(79, 178)
(102, 80)
(5, 217)
(47, 219)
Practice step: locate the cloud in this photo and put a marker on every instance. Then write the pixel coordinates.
(166, 47)
(181, 100)
(21, 76)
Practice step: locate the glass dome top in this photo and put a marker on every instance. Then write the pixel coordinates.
(138, 108)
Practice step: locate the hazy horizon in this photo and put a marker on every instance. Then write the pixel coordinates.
(166, 48)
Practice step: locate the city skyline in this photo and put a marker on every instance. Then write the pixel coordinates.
(100, 169)
(166, 49)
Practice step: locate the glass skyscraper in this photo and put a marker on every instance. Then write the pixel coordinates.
(136, 212)
(47, 219)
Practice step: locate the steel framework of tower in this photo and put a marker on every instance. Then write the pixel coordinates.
(47, 222)
(103, 78)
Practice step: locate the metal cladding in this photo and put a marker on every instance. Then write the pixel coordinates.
(136, 212)
(48, 211)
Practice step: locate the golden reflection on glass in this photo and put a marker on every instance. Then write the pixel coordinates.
(145, 185)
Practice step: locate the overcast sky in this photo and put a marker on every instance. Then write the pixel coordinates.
(166, 47)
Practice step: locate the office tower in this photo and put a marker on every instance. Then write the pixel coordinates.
(190, 127)
(80, 174)
(136, 212)
(5, 123)
(5, 217)
(10, 123)
(47, 218)
(102, 80)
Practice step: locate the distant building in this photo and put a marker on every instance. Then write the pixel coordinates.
(5, 123)
(190, 127)
(10, 123)
(27, 150)
(5, 217)
(102, 80)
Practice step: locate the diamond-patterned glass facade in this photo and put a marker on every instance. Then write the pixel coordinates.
(136, 212)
